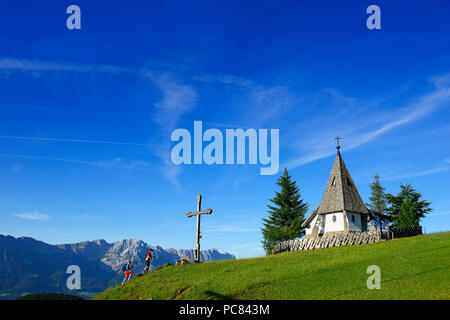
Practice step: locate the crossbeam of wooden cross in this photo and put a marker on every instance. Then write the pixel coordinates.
(198, 234)
(190, 214)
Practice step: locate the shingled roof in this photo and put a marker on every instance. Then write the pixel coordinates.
(340, 193)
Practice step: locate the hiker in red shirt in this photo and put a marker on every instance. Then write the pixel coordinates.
(148, 259)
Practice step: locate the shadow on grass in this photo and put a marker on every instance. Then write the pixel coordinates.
(180, 292)
(217, 296)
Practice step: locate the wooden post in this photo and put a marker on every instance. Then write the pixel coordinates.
(198, 233)
(197, 243)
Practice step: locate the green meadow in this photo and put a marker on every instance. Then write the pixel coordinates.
(411, 268)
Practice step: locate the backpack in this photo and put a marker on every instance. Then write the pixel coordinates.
(124, 267)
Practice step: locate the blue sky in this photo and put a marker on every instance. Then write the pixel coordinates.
(86, 115)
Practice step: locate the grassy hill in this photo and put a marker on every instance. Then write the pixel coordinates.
(411, 268)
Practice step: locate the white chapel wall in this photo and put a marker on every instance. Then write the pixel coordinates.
(311, 226)
(333, 226)
(354, 225)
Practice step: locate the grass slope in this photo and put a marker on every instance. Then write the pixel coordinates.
(411, 268)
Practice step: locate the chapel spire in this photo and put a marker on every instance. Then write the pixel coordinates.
(340, 196)
(341, 192)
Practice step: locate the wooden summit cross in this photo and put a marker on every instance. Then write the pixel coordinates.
(199, 234)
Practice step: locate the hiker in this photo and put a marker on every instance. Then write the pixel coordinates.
(127, 270)
(148, 259)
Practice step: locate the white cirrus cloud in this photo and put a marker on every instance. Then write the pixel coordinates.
(28, 65)
(421, 173)
(261, 103)
(113, 163)
(177, 99)
(31, 216)
(361, 128)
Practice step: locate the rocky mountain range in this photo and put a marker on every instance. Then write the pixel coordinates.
(28, 265)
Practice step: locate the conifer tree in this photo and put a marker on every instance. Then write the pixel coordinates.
(377, 199)
(286, 214)
(377, 205)
(406, 208)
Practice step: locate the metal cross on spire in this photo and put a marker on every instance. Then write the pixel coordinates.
(337, 140)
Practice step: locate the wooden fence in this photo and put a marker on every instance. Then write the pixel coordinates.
(403, 232)
(352, 238)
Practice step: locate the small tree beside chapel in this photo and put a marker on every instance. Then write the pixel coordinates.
(378, 203)
(286, 214)
(406, 208)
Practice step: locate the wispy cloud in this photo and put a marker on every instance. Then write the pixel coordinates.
(363, 128)
(177, 96)
(78, 141)
(31, 216)
(257, 106)
(421, 173)
(262, 103)
(177, 99)
(425, 105)
(25, 65)
(75, 111)
(226, 79)
(441, 81)
(113, 163)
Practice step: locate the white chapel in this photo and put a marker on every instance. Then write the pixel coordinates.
(341, 209)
